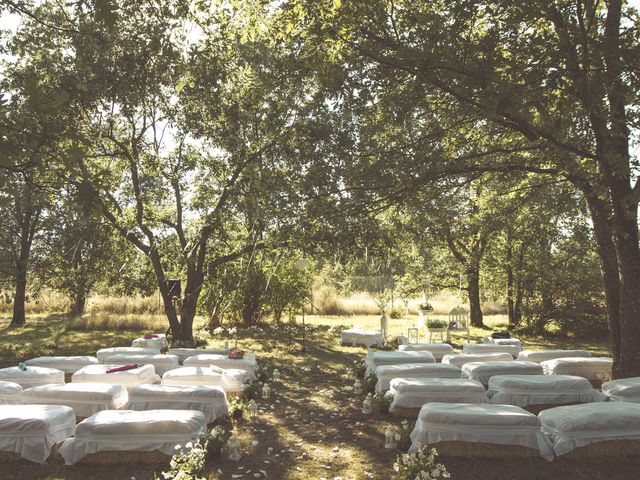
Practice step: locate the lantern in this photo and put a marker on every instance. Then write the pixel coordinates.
(276, 375)
(357, 387)
(266, 392)
(252, 408)
(233, 449)
(367, 404)
(390, 438)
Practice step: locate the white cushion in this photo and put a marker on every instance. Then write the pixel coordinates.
(461, 358)
(161, 363)
(10, 393)
(542, 355)
(248, 363)
(375, 359)
(32, 376)
(623, 390)
(85, 398)
(576, 426)
(229, 380)
(438, 350)
(126, 430)
(104, 353)
(358, 336)
(594, 368)
(491, 348)
(482, 372)
(415, 392)
(70, 364)
(31, 430)
(386, 373)
(523, 390)
(98, 374)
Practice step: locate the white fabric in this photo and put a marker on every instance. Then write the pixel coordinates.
(438, 350)
(502, 341)
(127, 430)
(212, 401)
(479, 423)
(575, 426)
(230, 380)
(104, 353)
(482, 372)
(31, 430)
(85, 398)
(415, 392)
(10, 393)
(461, 358)
(523, 390)
(248, 363)
(161, 363)
(184, 353)
(32, 376)
(98, 374)
(159, 342)
(67, 364)
(357, 336)
(542, 355)
(375, 359)
(623, 390)
(386, 373)
(491, 348)
(595, 368)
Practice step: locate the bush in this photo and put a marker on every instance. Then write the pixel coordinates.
(369, 383)
(396, 313)
(380, 404)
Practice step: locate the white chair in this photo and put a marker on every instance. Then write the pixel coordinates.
(461, 318)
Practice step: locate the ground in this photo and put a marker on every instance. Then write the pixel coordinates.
(312, 427)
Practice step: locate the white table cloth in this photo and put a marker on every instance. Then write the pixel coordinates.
(68, 364)
(438, 350)
(184, 353)
(542, 355)
(386, 373)
(104, 353)
(460, 359)
(357, 336)
(32, 376)
(10, 393)
(594, 368)
(161, 363)
(491, 348)
(376, 359)
(247, 363)
(230, 380)
(482, 372)
(98, 374)
(623, 390)
(415, 392)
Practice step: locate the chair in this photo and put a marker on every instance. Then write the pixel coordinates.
(461, 318)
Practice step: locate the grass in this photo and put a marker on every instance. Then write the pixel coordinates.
(312, 423)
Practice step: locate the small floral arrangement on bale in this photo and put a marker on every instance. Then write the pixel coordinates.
(420, 465)
(215, 441)
(187, 464)
(380, 404)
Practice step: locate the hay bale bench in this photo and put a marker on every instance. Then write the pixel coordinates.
(376, 359)
(104, 353)
(211, 401)
(231, 381)
(184, 353)
(32, 432)
(85, 399)
(459, 359)
(126, 436)
(68, 364)
(386, 373)
(410, 394)
(161, 363)
(502, 341)
(32, 376)
(474, 348)
(10, 393)
(539, 356)
(623, 390)
(158, 341)
(480, 430)
(357, 336)
(595, 369)
(248, 363)
(535, 393)
(438, 350)
(482, 372)
(98, 374)
(594, 430)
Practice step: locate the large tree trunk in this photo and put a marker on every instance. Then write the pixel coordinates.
(18, 319)
(79, 302)
(28, 219)
(473, 281)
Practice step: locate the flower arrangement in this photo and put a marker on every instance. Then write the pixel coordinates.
(359, 368)
(237, 407)
(369, 383)
(419, 466)
(426, 306)
(437, 323)
(215, 441)
(187, 464)
(380, 404)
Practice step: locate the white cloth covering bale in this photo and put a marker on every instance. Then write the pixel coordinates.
(460, 359)
(623, 390)
(415, 392)
(69, 364)
(482, 372)
(230, 380)
(98, 374)
(184, 353)
(32, 376)
(127, 430)
(479, 423)
(31, 430)
(85, 398)
(575, 426)
(523, 390)
(593, 369)
(438, 350)
(10, 393)
(502, 341)
(248, 363)
(104, 353)
(542, 355)
(473, 348)
(157, 342)
(386, 373)
(212, 401)
(375, 359)
(357, 336)
(161, 363)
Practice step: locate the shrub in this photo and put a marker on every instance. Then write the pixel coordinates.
(369, 383)
(419, 466)
(380, 404)
(396, 313)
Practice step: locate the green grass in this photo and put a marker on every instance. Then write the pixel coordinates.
(313, 422)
